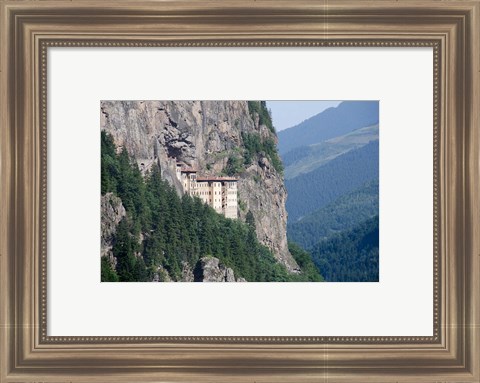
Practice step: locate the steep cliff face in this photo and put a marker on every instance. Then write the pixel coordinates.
(209, 135)
(210, 269)
(112, 212)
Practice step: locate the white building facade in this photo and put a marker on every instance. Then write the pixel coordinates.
(218, 192)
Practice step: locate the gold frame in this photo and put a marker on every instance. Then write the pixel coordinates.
(451, 28)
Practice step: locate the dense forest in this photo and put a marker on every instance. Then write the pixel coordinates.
(343, 214)
(316, 189)
(351, 256)
(162, 229)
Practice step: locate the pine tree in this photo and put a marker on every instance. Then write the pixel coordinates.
(107, 272)
(250, 220)
(123, 249)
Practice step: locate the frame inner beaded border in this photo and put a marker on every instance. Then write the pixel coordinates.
(44, 338)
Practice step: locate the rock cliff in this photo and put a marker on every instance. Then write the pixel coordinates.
(209, 135)
(210, 269)
(112, 212)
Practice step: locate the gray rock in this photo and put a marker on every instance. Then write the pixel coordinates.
(187, 273)
(210, 269)
(112, 212)
(161, 275)
(229, 275)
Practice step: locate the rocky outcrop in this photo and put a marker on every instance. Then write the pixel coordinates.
(112, 212)
(187, 273)
(161, 275)
(205, 134)
(210, 269)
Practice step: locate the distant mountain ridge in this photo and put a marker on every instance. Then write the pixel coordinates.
(311, 191)
(332, 122)
(331, 167)
(307, 158)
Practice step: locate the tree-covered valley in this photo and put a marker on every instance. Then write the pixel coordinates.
(331, 163)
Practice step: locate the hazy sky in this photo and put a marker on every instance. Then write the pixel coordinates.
(286, 114)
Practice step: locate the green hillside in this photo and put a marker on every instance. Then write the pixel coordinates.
(344, 213)
(350, 256)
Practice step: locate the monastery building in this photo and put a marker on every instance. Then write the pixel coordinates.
(218, 192)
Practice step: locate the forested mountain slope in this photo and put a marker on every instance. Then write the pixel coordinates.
(351, 256)
(234, 138)
(342, 214)
(162, 236)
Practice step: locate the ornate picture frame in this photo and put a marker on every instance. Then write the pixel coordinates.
(29, 28)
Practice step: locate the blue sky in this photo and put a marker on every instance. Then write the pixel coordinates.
(286, 114)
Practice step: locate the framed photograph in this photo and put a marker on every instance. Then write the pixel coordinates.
(323, 157)
(196, 191)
